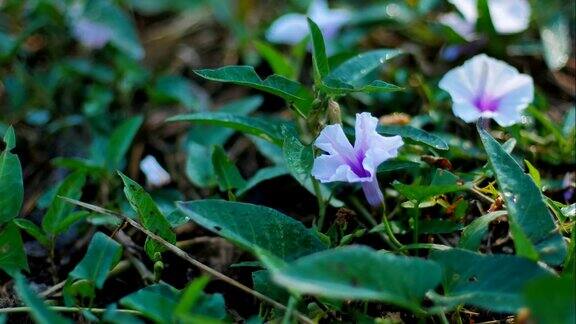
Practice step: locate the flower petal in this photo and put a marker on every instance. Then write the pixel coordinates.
(519, 95)
(467, 112)
(365, 129)
(329, 20)
(459, 25)
(381, 148)
(509, 16)
(333, 141)
(330, 168)
(468, 9)
(91, 34)
(288, 29)
(373, 193)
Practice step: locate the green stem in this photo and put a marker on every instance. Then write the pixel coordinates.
(389, 231)
(416, 222)
(289, 310)
(321, 204)
(63, 309)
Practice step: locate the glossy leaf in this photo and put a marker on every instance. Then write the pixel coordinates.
(39, 311)
(421, 193)
(253, 227)
(13, 257)
(149, 216)
(291, 91)
(491, 282)
(351, 76)
(11, 186)
(415, 135)
(249, 125)
(59, 210)
(361, 273)
(228, 175)
(531, 223)
(120, 141)
(102, 255)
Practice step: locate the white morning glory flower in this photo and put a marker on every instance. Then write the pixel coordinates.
(508, 16)
(487, 88)
(357, 163)
(292, 28)
(155, 174)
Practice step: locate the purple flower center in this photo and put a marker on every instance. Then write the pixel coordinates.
(357, 166)
(484, 103)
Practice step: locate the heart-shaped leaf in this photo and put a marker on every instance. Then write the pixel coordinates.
(254, 227)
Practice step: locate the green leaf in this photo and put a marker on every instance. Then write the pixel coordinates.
(13, 257)
(531, 222)
(422, 193)
(555, 34)
(191, 295)
(534, 173)
(120, 141)
(229, 176)
(199, 167)
(492, 282)
(102, 255)
(170, 89)
(59, 210)
(262, 175)
(438, 226)
(40, 312)
(156, 302)
(473, 233)
(414, 134)
(291, 91)
(319, 58)
(254, 227)
(11, 185)
(551, 300)
(280, 65)
(149, 216)
(397, 165)
(263, 283)
(33, 230)
(361, 273)
(352, 75)
(250, 125)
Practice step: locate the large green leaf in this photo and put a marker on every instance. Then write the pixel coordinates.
(102, 255)
(59, 210)
(254, 227)
(13, 256)
(361, 273)
(262, 175)
(552, 300)
(40, 312)
(531, 223)
(414, 134)
(492, 282)
(291, 91)
(260, 127)
(319, 58)
(351, 76)
(228, 175)
(11, 186)
(120, 141)
(149, 215)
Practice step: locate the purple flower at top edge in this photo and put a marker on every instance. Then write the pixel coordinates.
(357, 163)
(487, 88)
(91, 34)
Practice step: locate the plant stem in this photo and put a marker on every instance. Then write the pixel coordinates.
(389, 231)
(182, 254)
(416, 222)
(63, 309)
(321, 204)
(288, 314)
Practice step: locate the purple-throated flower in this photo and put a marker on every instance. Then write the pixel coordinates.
(292, 28)
(91, 34)
(487, 88)
(357, 163)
